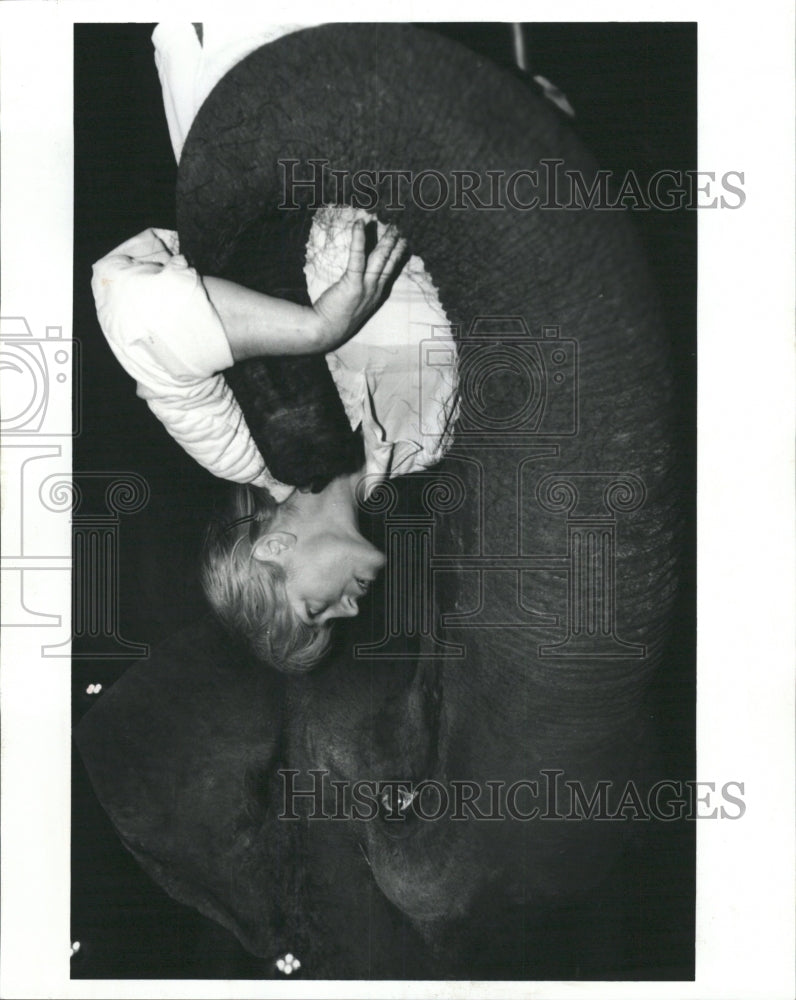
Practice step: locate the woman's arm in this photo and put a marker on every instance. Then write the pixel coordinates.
(166, 334)
(257, 324)
(173, 333)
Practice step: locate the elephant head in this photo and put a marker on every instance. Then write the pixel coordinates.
(562, 296)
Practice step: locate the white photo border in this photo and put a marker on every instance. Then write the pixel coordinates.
(745, 881)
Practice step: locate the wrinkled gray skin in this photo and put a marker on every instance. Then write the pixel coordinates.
(501, 712)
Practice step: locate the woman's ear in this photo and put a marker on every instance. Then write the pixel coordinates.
(273, 545)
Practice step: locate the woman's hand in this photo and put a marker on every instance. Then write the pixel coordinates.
(256, 324)
(350, 302)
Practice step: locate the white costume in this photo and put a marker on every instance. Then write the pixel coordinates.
(163, 329)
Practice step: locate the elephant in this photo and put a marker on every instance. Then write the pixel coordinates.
(538, 565)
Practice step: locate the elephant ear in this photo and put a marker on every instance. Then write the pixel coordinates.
(181, 752)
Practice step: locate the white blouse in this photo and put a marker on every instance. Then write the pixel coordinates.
(396, 377)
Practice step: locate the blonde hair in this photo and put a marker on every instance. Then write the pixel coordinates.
(249, 595)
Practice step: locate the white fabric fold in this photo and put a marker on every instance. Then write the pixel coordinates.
(164, 331)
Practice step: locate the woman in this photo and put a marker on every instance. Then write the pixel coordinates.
(280, 564)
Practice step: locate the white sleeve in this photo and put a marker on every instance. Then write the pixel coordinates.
(189, 69)
(164, 331)
(178, 58)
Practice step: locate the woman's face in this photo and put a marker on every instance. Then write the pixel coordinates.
(327, 573)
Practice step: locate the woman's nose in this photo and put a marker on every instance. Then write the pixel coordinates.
(350, 606)
(347, 607)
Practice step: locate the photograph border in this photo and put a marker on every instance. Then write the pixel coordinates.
(745, 920)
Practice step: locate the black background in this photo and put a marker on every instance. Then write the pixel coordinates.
(633, 87)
